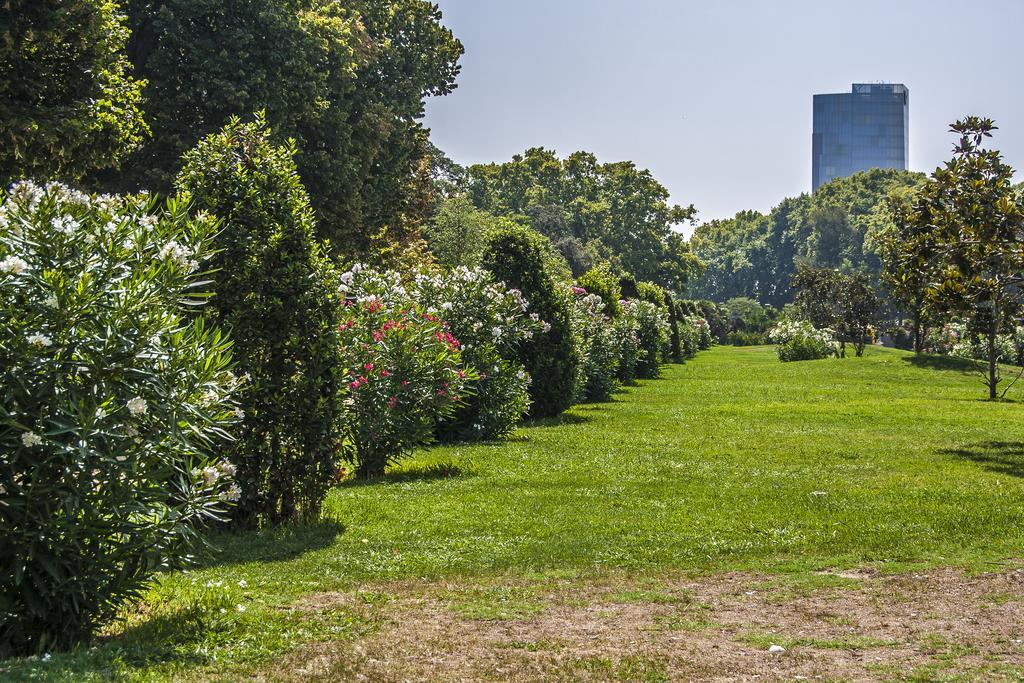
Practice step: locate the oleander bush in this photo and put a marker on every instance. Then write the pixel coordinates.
(519, 258)
(605, 284)
(627, 342)
(404, 369)
(492, 322)
(277, 294)
(653, 336)
(114, 406)
(598, 345)
(799, 340)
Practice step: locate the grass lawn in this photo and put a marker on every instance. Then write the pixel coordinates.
(730, 463)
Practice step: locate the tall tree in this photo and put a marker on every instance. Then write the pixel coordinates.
(974, 218)
(345, 80)
(67, 104)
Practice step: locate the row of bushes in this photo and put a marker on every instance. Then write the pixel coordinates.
(128, 421)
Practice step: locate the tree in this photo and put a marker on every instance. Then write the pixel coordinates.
(457, 232)
(67, 105)
(966, 233)
(278, 295)
(593, 212)
(907, 250)
(858, 309)
(756, 255)
(346, 80)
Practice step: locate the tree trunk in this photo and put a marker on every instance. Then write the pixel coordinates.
(993, 360)
(918, 336)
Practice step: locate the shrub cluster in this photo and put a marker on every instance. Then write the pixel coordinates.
(518, 257)
(114, 403)
(799, 340)
(956, 339)
(275, 291)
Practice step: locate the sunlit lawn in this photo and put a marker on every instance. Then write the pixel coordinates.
(732, 461)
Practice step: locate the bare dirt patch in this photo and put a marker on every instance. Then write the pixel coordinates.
(859, 626)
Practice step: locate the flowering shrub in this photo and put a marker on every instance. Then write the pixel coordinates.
(599, 347)
(653, 335)
(955, 339)
(492, 322)
(799, 340)
(517, 257)
(113, 407)
(627, 342)
(277, 295)
(403, 366)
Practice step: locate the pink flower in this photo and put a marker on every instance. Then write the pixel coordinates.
(440, 392)
(354, 385)
(368, 367)
(385, 373)
(392, 402)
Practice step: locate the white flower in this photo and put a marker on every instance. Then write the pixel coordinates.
(210, 475)
(446, 306)
(496, 332)
(243, 584)
(31, 439)
(148, 221)
(545, 326)
(137, 406)
(100, 413)
(226, 468)
(51, 301)
(179, 255)
(64, 224)
(239, 413)
(131, 431)
(241, 608)
(233, 493)
(13, 265)
(40, 340)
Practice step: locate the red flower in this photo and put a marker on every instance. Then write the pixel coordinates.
(374, 305)
(368, 367)
(385, 373)
(362, 380)
(354, 385)
(440, 392)
(392, 402)
(405, 383)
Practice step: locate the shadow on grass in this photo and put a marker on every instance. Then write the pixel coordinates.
(275, 544)
(434, 471)
(1002, 457)
(558, 420)
(964, 366)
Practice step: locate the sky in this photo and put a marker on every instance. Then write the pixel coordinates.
(714, 97)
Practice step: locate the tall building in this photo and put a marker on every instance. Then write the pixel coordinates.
(854, 131)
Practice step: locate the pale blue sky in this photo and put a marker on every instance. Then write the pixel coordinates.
(715, 97)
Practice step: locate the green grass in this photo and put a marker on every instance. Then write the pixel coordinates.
(732, 461)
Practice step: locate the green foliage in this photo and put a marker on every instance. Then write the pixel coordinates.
(492, 323)
(596, 338)
(747, 315)
(276, 293)
(457, 232)
(827, 298)
(67, 104)
(652, 332)
(962, 233)
(648, 291)
(755, 255)
(113, 410)
(612, 211)
(404, 369)
(346, 80)
(800, 340)
(518, 257)
(605, 284)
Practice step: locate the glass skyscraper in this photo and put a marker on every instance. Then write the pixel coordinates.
(868, 127)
